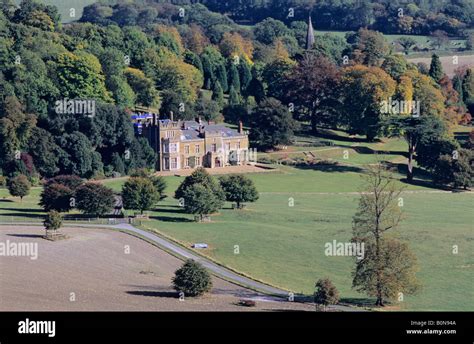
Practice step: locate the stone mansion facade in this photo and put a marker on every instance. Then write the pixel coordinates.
(189, 144)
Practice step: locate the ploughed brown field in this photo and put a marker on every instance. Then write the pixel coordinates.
(448, 62)
(95, 266)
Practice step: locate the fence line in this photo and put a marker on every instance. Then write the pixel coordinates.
(101, 221)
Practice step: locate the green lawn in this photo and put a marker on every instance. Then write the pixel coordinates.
(284, 245)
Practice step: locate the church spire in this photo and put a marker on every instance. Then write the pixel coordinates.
(310, 35)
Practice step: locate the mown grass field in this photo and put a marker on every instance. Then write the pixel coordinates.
(65, 6)
(282, 243)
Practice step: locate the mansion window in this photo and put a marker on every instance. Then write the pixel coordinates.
(213, 147)
(173, 148)
(196, 148)
(186, 149)
(169, 133)
(174, 163)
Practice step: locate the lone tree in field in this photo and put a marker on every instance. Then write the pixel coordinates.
(95, 199)
(239, 189)
(139, 194)
(407, 43)
(53, 221)
(192, 279)
(326, 293)
(201, 200)
(19, 186)
(387, 267)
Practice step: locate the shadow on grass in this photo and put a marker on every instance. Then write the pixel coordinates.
(241, 293)
(25, 210)
(358, 301)
(26, 215)
(330, 135)
(330, 168)
(368, 150)
(421, 176)
(176, 210)
(171, 219)
(6, 200)
(168, 294)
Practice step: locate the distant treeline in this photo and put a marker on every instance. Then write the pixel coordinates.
(419, 17)
(388, 16)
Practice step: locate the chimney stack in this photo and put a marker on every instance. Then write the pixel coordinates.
(171, 116)
(241, 127)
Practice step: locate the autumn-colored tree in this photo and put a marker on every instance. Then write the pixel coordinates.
(172, 73)
(363, 91)
(455, 110)
(234, 45)
(196, 39)
(326, 293)
(169, 37)
(280, 51)
(368, 47)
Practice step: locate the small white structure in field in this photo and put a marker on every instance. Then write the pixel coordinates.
(199, 245)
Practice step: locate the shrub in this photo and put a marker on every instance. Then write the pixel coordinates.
(192, 279)
(53, 221)
(326, 293)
